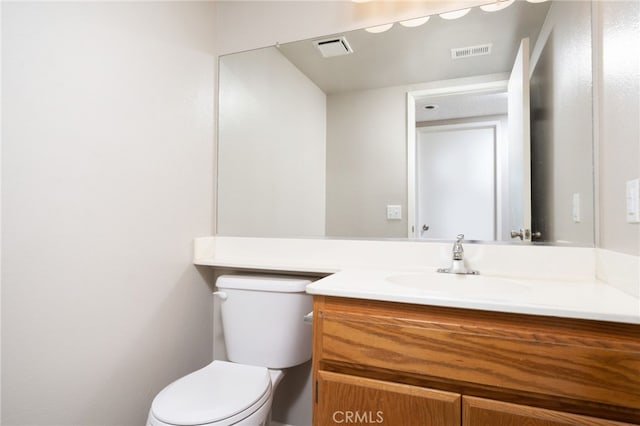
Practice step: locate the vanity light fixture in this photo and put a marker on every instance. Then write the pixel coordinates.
(498, 5)
(455, 14)
(379, 28)
(415, 22)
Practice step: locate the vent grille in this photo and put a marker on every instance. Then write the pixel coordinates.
(334, 46)
(467, 52)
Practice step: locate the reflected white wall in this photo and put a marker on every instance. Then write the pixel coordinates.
(280, 189)
(562, 122)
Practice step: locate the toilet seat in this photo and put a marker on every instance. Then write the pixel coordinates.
(221, 393)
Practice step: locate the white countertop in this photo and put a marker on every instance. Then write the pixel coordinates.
(568, 282)
(581, 298)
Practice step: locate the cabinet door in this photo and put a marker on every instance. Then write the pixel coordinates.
(342, 400)
(486, 412)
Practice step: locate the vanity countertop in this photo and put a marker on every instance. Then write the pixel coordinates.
(568, 282)
(580, 298)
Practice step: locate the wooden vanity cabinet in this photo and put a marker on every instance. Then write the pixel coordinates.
(403, 364)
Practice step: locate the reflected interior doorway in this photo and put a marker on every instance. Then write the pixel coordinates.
(456, 181)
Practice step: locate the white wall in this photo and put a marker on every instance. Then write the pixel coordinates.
(280, 189)
(107, 175)
(618, 33)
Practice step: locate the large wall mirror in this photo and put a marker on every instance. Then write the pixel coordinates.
(480, 125)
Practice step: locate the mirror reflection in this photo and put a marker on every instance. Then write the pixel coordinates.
(479, 125)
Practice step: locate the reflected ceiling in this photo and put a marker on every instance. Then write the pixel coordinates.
(394, 50)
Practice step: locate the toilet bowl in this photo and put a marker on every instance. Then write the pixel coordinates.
(220, 394)
(264, 332)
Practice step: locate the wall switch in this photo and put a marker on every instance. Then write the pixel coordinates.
(575, 204)
(394, 212)
(633, 201)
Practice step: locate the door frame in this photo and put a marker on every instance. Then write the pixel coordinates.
(412, 98)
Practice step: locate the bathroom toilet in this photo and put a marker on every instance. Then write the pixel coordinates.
(264, 332)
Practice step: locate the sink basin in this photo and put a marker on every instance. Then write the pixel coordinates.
(454, 285)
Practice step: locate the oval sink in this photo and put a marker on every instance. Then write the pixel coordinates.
(454, 285)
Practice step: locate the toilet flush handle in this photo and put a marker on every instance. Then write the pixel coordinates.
(221, 294)
(308, 318)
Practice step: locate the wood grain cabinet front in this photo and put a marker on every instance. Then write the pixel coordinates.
(427, 366)
(486, 412)
(345, 399)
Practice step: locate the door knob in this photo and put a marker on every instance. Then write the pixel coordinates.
(525, 234)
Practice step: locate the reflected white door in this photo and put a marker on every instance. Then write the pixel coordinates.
(520, 145)
(455, 182)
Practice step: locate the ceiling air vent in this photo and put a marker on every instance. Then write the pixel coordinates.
(334, 46)
(467, 52)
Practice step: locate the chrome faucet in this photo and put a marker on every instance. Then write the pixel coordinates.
(458, 265)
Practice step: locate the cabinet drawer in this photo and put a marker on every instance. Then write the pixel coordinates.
(485, 412)
(344, 399)
(577, 360)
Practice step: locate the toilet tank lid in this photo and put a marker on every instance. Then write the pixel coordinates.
(274, 283)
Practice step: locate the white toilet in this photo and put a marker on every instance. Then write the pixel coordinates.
(262, 319)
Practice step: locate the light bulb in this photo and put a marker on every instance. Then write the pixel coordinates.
(414, 22)
(498, 5)
(379, 28)
(455, 14)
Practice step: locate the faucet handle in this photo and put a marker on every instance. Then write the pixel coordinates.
(457, 248)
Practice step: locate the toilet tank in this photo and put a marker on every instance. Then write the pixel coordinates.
(262, 320)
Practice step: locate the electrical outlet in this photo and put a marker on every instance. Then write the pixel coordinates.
(394, 212)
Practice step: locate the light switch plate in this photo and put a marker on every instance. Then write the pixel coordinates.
(633, 201)
(575, 202)
(394, 212)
